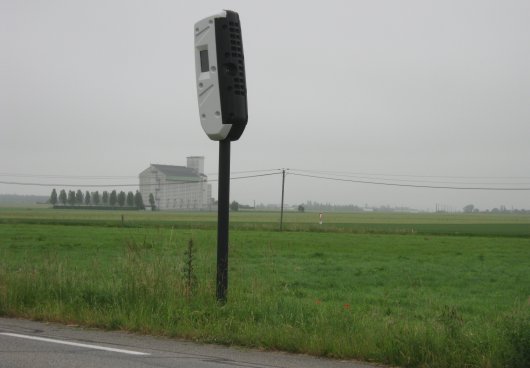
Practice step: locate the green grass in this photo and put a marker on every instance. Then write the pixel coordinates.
(416, 300)
(505, 225)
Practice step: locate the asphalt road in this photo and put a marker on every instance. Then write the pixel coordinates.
(33, 344)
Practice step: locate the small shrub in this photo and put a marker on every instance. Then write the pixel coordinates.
(188, 270)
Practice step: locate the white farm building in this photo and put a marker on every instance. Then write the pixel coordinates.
(177, 187)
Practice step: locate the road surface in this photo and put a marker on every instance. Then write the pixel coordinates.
(35, 344)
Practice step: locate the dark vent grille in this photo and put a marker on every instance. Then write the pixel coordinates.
(232, 81)
(236, 53)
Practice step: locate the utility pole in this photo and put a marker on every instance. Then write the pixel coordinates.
(283, 191)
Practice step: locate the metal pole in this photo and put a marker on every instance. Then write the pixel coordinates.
(283, 190)
(223, 219)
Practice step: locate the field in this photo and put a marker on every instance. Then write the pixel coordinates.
(415, 290)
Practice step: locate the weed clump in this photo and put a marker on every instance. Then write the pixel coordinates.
(188, 269)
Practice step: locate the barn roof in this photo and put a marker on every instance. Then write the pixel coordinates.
(179, 172)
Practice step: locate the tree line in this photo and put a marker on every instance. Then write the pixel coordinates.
(112, 199)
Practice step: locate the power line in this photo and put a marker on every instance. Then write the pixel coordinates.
(248, 171)
(253, 176)
(358, 175)
(100, 177)
(346, 173)
(66, 185)
(49, 176)
(291, 172)
(176, 182)
(409, 185)
(376, 177)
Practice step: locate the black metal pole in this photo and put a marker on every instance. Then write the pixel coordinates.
(223, 219)
(283, 189)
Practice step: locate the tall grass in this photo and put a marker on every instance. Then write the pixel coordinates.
(398, 300)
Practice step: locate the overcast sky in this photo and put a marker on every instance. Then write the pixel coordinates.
(405, 92)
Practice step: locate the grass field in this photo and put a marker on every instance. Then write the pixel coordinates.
(392, 223)
(400, 289)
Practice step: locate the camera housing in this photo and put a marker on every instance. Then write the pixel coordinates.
(220, 76)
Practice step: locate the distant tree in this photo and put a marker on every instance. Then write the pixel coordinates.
(138, 201)
(130, 199)
(301, 208)
(105, 198)
(87, 198)
(121, 198)
(234, 206)
(113, 198)
(152, 201)
(469, 208)
(53, 197)
(63, 198)
(95, 198)
(79, 197)
(71, 197)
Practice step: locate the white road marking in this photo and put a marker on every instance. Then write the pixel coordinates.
(88, 346)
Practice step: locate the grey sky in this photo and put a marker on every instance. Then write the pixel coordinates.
(423, 88)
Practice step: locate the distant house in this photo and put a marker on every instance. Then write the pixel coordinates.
(177, 187)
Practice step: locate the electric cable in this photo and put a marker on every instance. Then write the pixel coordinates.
(288, 172)
(377, 177)
(346, 173)
(176, 182)
(409, 185)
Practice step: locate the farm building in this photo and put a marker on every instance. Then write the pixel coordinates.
(177, 187)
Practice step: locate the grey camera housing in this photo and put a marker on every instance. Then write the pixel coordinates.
(220, 76)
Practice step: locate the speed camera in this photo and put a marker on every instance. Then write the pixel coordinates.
(220, 72)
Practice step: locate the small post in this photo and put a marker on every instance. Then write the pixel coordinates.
(283, 190)
(223, 219)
